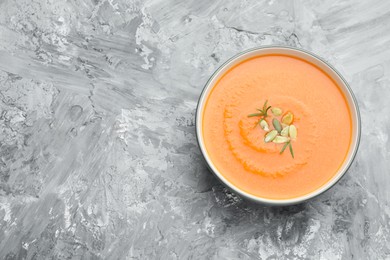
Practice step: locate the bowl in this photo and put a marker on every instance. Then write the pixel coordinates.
(311, 58)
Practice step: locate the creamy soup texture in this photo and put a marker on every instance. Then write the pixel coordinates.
(235, 142)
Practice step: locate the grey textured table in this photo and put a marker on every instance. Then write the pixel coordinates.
(98, 156)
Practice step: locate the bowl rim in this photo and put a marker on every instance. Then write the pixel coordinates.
(278, 202)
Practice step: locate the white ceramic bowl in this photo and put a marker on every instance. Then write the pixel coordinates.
(302, 54)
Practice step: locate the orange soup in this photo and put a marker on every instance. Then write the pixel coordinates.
(235, 140)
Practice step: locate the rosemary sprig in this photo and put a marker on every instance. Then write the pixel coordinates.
(265, 104)
(255, 114)
(266, 111)
(284, 147)
(263, 113)
(290, 147)
(291, 150)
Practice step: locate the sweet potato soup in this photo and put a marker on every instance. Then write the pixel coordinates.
(277, 127)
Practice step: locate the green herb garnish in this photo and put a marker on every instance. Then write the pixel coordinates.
(263, 113)
(284, 147)
(278, 135)
(255, 114)
(291, 149)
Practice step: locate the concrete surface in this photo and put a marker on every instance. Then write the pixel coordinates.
(98, 156)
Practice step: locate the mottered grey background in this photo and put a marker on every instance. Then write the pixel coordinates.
(98, 155)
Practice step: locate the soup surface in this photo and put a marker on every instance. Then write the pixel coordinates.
(235, 142)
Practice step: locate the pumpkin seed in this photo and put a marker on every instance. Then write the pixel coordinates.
(270, 136)
(288, 118)
(292, 131)
(285, 131)
(277, 125)
(276, 111)
(281, 139)
(264, 125)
